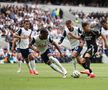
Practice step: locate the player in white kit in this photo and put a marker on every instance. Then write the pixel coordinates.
(23, 35)
(73, 35)
(40, 43)
(104, 31)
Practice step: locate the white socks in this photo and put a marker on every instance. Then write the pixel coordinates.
(55, 67)
(32, 64)
(74, 62)
(58, 64)
(19, 66)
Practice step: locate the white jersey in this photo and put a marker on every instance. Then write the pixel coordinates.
(105, 32)
(42, 45)
(74, 42)
(24, 43)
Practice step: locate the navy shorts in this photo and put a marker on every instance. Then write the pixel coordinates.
(18, 50)
(106, 51)
(24, 52)
(91, 50)
(78, 49)
(45, 57)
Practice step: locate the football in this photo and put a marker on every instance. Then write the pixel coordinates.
(76, 74)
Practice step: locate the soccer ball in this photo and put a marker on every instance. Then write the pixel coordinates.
(76, 74)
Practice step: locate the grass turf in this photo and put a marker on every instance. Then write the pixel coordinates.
(51, 80)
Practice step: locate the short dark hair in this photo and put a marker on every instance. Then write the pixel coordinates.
(103, 21)
(85, 24)
(68, 22)
(43, 30)
(26, 20)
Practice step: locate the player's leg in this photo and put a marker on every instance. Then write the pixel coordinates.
(25, 53)
(46, 59)
(54, 60)
(75, 54)
(19, 57)
(85, 62)
(32, 62)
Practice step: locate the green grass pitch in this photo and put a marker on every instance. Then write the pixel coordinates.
(51, 80)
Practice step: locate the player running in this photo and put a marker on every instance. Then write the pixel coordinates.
(23, 38)
(40, 43)
(89, 36)
(73, 35)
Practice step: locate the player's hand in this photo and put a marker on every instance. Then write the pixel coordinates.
(61, 55)
(24, 37)
(12, 49)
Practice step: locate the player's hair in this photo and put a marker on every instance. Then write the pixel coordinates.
(84, 24)
(43, 30)
(68, 22)
(103, 21)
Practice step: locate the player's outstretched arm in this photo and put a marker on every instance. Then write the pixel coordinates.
(57, 47)
(74, 36)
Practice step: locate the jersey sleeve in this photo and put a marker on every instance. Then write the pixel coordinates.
(50, 40)
(32, 41)
(79, 31)
(19, 31)
(64, 35)
(97, 32)
(82, 36)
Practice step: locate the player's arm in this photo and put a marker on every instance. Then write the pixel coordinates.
(34, 48)
(74, 36)
(105, 40)
(14, 43)
(56, 46)
(63, 37)
(82, 42)
(18, 35)
(99, 33)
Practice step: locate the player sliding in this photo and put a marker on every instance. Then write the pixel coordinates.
(40, 43)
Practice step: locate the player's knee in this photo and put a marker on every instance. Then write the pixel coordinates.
(27, 61)
(48, 62)
(31, 57)
(19, 57)
(87, 56)
(81, 61)
(51, 57)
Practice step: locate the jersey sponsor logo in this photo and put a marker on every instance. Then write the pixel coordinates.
(88, 38)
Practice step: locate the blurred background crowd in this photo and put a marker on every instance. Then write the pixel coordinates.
(12, 16)
(102, 3)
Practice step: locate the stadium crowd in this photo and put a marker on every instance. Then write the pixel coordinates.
(12, 17)
(94, 18)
